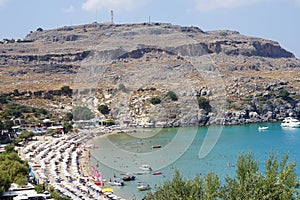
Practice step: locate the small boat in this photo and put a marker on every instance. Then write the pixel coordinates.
(156, 173)
(143, 186)
(141, 172)
(145, 168)
(36, 166)
(290, 122)
(262, 128)
(156, 146)
(128, 178)
(116, 182)
(99, 183)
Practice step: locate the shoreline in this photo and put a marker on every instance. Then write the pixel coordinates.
(63, 162)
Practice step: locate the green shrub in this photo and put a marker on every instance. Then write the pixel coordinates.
(40, 188)
(279, 181)
(82, 113)
(12, 170)
(155, 100)
(103, 109)
(3, 100)
(203, 103)
(284, 94)
(68, 116)
(26, 135)
(172, 96)
(66, 90)
(67, 127)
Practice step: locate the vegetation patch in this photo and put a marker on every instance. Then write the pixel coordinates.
(203, 103)
(12, 169)
(155, 100)
(103, 109)
(278, 182)
(172, 96)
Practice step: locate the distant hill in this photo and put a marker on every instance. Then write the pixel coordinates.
(217, 77)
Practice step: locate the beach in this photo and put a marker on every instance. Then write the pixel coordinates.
(63, 163)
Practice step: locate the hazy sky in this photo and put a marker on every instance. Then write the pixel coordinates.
(270, 19)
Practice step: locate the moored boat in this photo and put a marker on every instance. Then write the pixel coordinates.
(128, 178)
(116, 182)
(290, 122)
(143, 186)
(156, 173)
(145, 168)
(156, 146)
(262, 128)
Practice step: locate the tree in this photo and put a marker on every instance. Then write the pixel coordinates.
(1, 126)
(155, 100)
(39, 29)
(3, 100)
(82, 113)
(103, 109)
(12, 170)
(203, 103)
(8, 124)
(25, 135)
(278, 182)
(66, 90)
(9, 148)
(16, 92)
(200, 188)
(68, 116)
(284, 94)
(172, 96)
(67, 127)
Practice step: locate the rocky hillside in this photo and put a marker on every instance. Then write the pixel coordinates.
(137, 70)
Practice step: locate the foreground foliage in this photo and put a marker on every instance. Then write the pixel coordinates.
(12, 169)
(278, 182)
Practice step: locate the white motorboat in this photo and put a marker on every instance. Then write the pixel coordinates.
(263, 128)
(143, 186)
(290, 122)
(145, 168)
(116, 182)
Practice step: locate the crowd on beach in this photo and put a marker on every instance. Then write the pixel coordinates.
(63, 164)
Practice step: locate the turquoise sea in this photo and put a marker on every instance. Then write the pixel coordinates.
(125, 152)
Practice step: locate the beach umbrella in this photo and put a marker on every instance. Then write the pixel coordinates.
(104, 190)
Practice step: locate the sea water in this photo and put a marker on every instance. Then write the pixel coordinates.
(183, 155)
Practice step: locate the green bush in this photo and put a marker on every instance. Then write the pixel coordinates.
(155, 100)
(103, 109)
(3, 100)
(82, 113)
(203, 103)
(66, 90)
(26, 135)
(68, 116)
(279, 181)
(12, 170)
(284, 94)
(40, 188)
(172, 96)
(67, 127)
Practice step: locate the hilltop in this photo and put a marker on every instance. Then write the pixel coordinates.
(217, 77)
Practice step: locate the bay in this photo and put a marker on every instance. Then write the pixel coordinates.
(125, 152)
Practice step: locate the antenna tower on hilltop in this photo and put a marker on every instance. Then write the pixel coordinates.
(112, 16)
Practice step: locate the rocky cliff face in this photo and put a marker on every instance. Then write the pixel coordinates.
(244, 79)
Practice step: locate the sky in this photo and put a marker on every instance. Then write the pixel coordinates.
(270, 19)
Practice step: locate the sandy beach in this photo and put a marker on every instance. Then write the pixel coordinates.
(63, 162)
